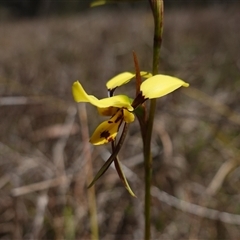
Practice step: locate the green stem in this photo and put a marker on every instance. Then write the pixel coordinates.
(148, 179)
(157, 8)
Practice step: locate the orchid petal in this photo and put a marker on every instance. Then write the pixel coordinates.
(124, 78)
(80, 95)
(119, 101)
(107, 131)
(127, 116)
(119, 80)
(160, 85)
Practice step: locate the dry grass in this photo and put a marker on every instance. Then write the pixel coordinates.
(195, 141)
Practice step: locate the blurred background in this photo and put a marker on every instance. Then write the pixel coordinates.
(44, 153)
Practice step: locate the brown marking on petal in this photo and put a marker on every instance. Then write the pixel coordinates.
(110, 139)
(105, 134)
(118, 119)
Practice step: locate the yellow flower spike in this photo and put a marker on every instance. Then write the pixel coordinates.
(124, 78)
(160, 85)
(119, 101)
(107, 131)
(127, 116)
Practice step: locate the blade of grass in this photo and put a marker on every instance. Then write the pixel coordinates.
(87, 152)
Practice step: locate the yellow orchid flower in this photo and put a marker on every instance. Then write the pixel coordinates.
(120, 107)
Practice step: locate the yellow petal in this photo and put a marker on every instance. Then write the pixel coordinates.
(104, 133)
(119, 101)
(124, 78)
(119, 80)
(127, 116)
(107, 130)
(160, 85)
(80, 95)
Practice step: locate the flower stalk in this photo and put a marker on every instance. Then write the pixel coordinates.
(157, 9)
